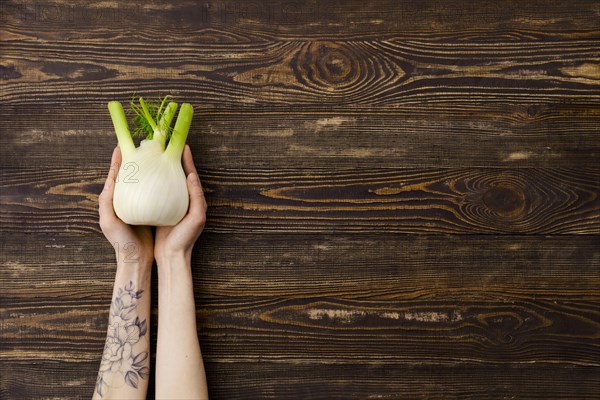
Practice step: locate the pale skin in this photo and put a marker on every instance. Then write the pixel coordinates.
(125, 363)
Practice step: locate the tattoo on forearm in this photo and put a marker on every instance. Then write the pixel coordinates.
(125, 357)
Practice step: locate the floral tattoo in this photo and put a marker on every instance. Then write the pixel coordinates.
(125, 357)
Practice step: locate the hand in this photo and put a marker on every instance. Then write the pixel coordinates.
(180, 239)
(133, 244)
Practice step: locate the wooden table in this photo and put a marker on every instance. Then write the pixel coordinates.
(403, 196)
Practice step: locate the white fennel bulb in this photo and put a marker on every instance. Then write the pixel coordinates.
(151, 186)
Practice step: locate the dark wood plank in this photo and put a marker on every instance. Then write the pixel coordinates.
(460, 201)
(305, 18)
(447, 328)
(276, 380)
(47, 379)
(543, 135)
(386, 73)
(342, 266)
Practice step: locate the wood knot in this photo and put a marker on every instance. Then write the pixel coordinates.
(333, 64)
(514, 200)
(9, 72)
(330, 66)
(534, 110)
(504, 199)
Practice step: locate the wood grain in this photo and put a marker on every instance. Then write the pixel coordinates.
(403, 196)
(335, 381)
(314, 299)
(510, 136)
(341, 266)
(548, 201)
(442, 329)
(386, 73)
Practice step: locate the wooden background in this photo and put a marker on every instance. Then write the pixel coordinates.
(403, 196)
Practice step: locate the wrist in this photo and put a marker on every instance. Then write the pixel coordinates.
(133, 254)
(139, 273)
(168, 261)
(139, 263)
(135, 270)
(142, 261)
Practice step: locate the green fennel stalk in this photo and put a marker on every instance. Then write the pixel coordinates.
(153, 120)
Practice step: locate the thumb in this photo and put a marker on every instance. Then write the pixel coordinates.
(105, 200)
(197, 200)
(195, 219)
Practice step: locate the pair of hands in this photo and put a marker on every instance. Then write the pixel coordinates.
(169, 240)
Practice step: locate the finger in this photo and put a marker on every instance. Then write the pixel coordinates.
(105, 200)
(197, 208)
(189, 166)
(115, 163)
(188, 161)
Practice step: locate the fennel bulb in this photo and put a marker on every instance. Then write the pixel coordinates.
(151, 186)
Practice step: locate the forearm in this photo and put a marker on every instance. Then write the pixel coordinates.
(179, 368)
(125, 362)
